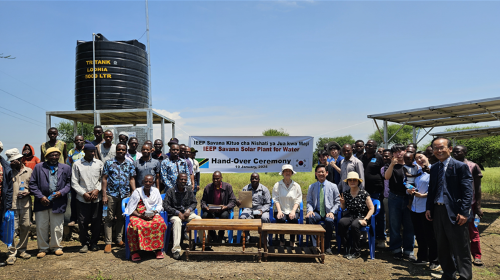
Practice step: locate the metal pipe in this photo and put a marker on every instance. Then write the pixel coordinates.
(149, 59)
(399, 129)
(378, 129)
(93, 70)
(386, 144)
(414, 134)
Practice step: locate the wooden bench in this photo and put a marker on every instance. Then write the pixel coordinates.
(222, 224)
(300, 252)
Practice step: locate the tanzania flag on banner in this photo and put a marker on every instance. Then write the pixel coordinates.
(203, 162)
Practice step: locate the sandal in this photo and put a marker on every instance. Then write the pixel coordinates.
(136, 257)
(159, 254)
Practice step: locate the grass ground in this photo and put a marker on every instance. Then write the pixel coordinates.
(490, 183)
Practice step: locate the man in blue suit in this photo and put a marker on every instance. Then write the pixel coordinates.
(322, 203)
(449, 207)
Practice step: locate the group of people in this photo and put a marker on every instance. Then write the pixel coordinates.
(425, 195)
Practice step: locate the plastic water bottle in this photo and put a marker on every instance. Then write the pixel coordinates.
(22, 188)
(105, 211)
(408, 186)
(476, 220)
(52, 196)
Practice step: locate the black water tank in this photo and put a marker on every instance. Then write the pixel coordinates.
(121, 75)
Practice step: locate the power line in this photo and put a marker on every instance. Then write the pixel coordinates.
(23, 99)
(21, 115)
(21, 119)
(22, 82)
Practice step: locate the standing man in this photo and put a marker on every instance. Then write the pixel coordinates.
(380, 150)
(359, 147)
(180, 204)
(132, 153)
(183, 155)
(158, 151)
(123, 138)
(335, 161)
(261, 202)
(323, 159)
(172, 167)
(399, 213)
(147, 166)
(350, 164)
(86, 182)
(374, 185)
(53, 142)
(117, 183)
(107, 150)
(449, 201)
(218, 193)
(50, 183)
(6, 184)
(459, 153)
(97, 135)
(196, 170)
(21, 204)
(430, 155)
(323, 201)
(75, 155)
(187, 157)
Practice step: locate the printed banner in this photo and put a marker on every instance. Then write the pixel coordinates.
(241, 154)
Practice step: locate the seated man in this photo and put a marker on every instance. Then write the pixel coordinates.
(217, 193)
(261, 202)
(322, 204)
(180, 204)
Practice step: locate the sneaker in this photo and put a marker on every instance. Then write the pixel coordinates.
(59, 252)
(419, 262)
(381, 244)
(94, 247)
(354, 256)
(435, 267)
(437, 275)
(410, 258)
(11, 260)
(84, 249)
(398, 256)
(177, 255)
(41, 255)
(24, 255)
(328, 251)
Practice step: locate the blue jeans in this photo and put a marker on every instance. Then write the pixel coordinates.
(380, 218)
(315, 219)
(399, 214)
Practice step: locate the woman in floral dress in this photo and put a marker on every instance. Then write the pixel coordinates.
(145, 232)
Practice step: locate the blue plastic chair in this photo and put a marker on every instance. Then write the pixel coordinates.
(273, 220)
(170, 225)
(369, 228)
(163, 214)
(229, 232)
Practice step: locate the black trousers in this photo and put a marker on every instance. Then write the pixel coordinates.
(74, 209)
(89, 213)
(286, 219)
(353, 222)
(424, 232)
(213, 215)
(452, 243)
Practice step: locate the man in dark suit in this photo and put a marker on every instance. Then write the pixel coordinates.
(449, 207)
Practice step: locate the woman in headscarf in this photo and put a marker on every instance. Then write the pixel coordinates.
(358, 209)
(287, 196)
(146, 229)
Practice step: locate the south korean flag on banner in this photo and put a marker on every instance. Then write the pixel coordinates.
(301, 163)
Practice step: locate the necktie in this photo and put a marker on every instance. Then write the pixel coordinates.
(440, 181)
(321, 201)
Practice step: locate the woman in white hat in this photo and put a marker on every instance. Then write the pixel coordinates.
(287, 196)
(358, 208)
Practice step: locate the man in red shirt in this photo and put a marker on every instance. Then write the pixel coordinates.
(217, 193)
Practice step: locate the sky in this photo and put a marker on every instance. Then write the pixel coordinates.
(313, 68)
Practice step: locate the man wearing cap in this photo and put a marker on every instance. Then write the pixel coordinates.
(123, 137)
(50, 183)
(170, 142)
(117, 184)
(54, 143)
(335, 160)
(172, 167)
(350, 164)
(322, 204)
(86, 182)
(196, 169)
(6, 185)
(21, 204)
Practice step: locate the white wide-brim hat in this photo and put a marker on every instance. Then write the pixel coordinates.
(287, 166)
(13, 154)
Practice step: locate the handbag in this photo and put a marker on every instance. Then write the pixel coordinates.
(7, 228)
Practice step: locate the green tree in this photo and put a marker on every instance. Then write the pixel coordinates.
(482, 150)
(320, 144)
(404, 136)
(65, 129)
(275, 132)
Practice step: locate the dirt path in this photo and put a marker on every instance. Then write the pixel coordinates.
(97, 265)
